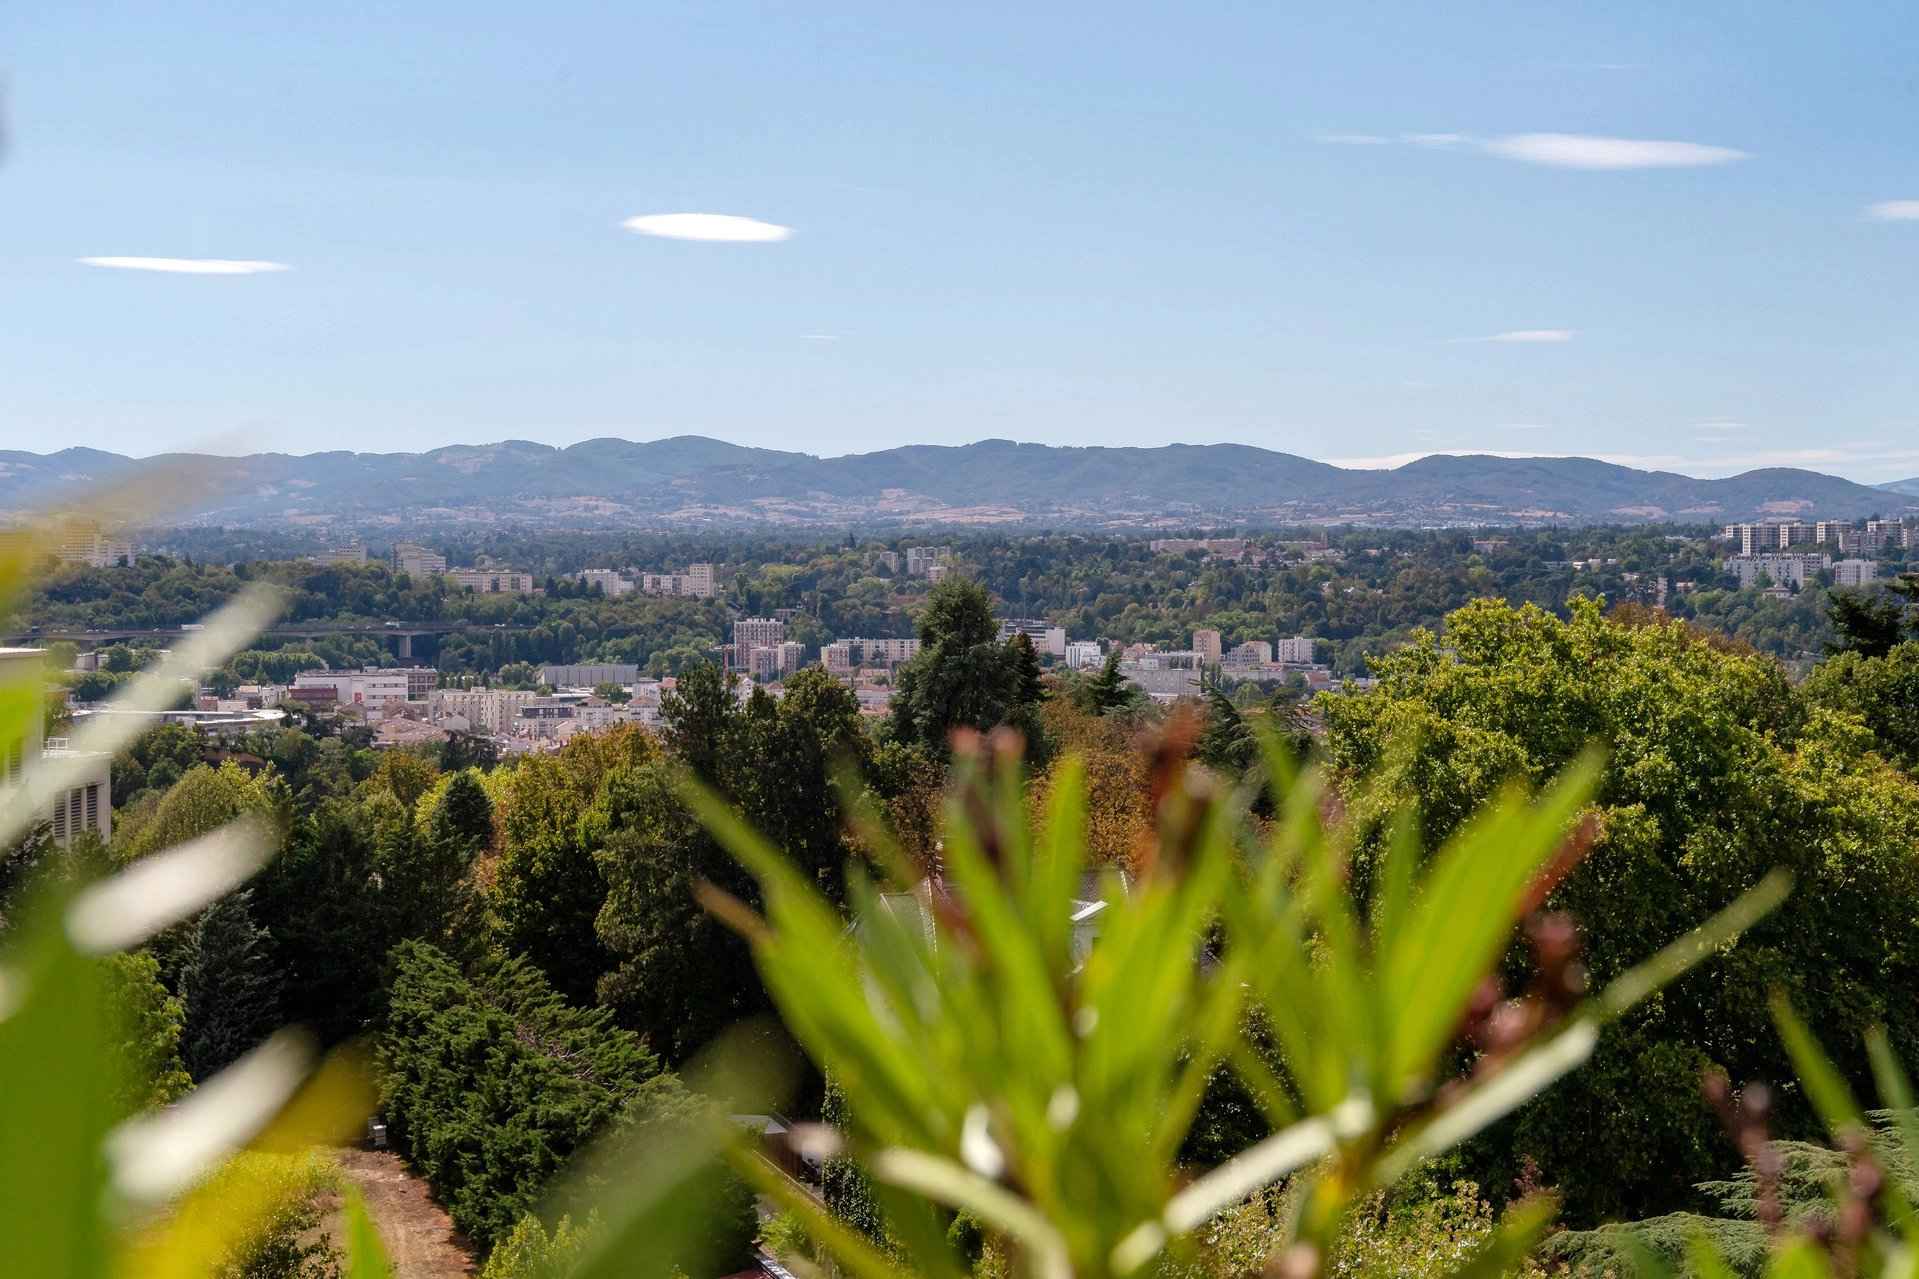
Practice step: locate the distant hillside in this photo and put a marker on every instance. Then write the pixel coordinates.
(690, 480)
(1909, 487)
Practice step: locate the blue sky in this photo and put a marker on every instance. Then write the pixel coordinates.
(1292, 226)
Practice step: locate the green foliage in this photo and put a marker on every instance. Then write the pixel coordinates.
(1718, 771)
(1882, 691)
(1108, 692)
(964, 677)
(548, 885)
(230, 986)
(993, 1065)
(1870, 622)
(531, 1251)
(146, 1029)
(492, 1083)
(681, 976)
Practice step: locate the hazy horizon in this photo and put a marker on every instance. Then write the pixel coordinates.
(1361, 463)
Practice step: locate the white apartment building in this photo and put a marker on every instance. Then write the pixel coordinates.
(370, 688)
(493, 581)
(489, 711)
(1251, 653)
(611, 583)
(1756, 539)
(1298, 650)
(1854, 572)
(351, 553)
(1784, 570)
(417, 561)
(1047, 638)
(588, 674)
(696, 583)
(920, 560)
(851, 654)
(750, 633)
(1084, 655)
(84, 542)
(84, 802)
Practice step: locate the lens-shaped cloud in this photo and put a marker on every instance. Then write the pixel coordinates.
(189, 266)
(719, 227)
(1585, 151)
(1894, 211)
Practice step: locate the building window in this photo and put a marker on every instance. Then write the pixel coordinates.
(93, 806)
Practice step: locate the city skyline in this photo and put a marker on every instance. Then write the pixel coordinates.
(1677, 241)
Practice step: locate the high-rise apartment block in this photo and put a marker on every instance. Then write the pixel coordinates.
(750, 633)
(1207, 645)
(1755, 539)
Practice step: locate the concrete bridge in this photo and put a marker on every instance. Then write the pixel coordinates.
(402, 634)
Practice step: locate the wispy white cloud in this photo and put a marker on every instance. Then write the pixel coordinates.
(1525, 336)
(1575, 151)
(1588, 151)
(1894, 211)
(1524, 426)
(189, 266)
(821, 337)
(717, 227)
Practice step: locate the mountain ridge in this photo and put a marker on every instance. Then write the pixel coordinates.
(691, 479)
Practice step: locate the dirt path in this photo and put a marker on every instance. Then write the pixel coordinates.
(418, 1235)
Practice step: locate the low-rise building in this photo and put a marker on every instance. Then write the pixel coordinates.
(589, 674)
(371, 688)
(492, 581)
(486, 711)
(611, 582)
(350, 553)
(854, 653)
(1047, 638)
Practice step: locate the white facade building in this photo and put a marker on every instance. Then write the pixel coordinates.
(1083, 655)
(1854, 572)
(1298, 650)
(1783, 570)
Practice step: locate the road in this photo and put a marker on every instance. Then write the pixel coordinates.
(418, 1235)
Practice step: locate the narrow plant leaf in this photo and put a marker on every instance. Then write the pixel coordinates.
(164, 888)
(156, 1156)
(1825, 1086)
(365, 1254)
(946, 1182)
